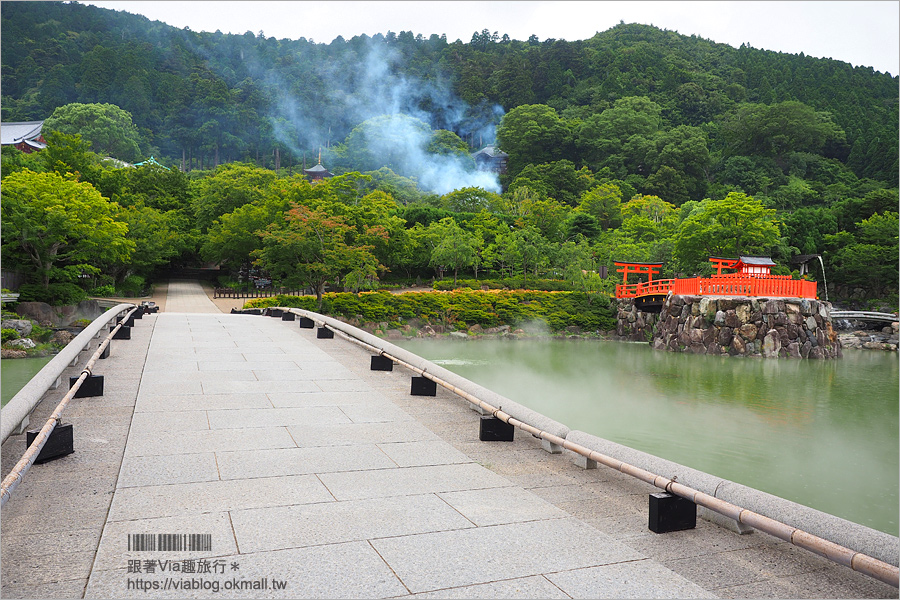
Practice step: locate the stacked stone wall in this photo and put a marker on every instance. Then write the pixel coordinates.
(632, 324)
(768, 327)
(765, 327)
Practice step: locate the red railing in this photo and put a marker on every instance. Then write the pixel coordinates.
(733, 284)
(633, 290)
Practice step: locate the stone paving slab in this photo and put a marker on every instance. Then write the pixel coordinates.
(297, 526)
(434, 561)
(357, 485)
(501, 506)
(301, 461)
(419, 454)
(536, 587)
(640, 579)
(151, 381)
(361, 433)
(165, 403)
(171, 421)
(309, 416)
(113, 552)
(211, 496)
(315, 572)
(149, 443)
(240, 387)
(375, 412)
(71, 588)
(168, 469)
(300, 399)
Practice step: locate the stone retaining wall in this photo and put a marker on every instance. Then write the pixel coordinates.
(738, 326)
(632, 324)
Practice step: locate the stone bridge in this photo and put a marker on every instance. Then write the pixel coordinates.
(245, 456)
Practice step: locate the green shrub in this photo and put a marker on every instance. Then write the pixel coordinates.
(104, 291)
(458, 309)
(515, 283)
(81, 322)
(40, 334)
(133, 285)
(56, 294)
(9, 335)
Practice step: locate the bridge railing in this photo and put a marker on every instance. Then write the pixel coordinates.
(823, 534)
(17, 410)
(864, 315)
(633, 290)
(34, 448)
(779, 286)
(255, 293)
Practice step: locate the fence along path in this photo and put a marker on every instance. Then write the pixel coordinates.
(303, 466)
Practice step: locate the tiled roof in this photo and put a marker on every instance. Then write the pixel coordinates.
(757, 260)
(13, 133)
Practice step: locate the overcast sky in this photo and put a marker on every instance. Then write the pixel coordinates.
(860, 33)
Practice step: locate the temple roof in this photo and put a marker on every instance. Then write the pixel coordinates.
(318, 170)
(757, 260)
(13, 133)
(747, 260)
(150, 161)
(492, 152)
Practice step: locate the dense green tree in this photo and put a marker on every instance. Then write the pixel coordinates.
(532, 134)
(228, 188)
(581, 224)
(108, 128)
(454, 247)
(469, 199)
(735, 225)
(234, 236)
(70, 154)
(604, 203)
(778, 129)
(158, 237)
(310, 248)
(55, 223)
(558, 179)
(601, 138)
(868, 259)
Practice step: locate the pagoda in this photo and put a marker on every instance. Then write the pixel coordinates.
(318, 172)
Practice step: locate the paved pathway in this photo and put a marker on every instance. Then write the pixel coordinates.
(306, 468)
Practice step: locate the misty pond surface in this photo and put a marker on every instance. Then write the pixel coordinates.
(820, 433)
(16, 372)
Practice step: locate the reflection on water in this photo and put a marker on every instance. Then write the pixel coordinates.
(821, 433)
(17, 372)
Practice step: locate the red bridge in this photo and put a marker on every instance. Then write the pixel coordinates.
(753, 278)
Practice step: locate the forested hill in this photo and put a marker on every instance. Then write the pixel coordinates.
(238, 97)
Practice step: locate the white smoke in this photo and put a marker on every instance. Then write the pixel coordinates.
(371, 87)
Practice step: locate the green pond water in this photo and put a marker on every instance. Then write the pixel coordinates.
(16, 372)
(820, 433)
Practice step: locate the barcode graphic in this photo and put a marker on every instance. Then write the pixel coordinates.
(161, 542)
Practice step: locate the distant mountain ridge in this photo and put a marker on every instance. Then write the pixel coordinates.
(243, 96)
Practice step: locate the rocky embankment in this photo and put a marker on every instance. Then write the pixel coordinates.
(884, 339)
(736, 326)
(415, 328)
(41, 329)
(27, 344)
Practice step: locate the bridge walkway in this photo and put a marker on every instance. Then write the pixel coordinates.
(305, 467)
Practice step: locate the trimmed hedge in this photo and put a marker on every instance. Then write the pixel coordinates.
(486, 308)
(515, 283)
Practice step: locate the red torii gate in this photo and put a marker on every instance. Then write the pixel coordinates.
(753, 278)
(650, 269)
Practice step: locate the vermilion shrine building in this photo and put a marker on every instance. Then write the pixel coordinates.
(752, 276)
